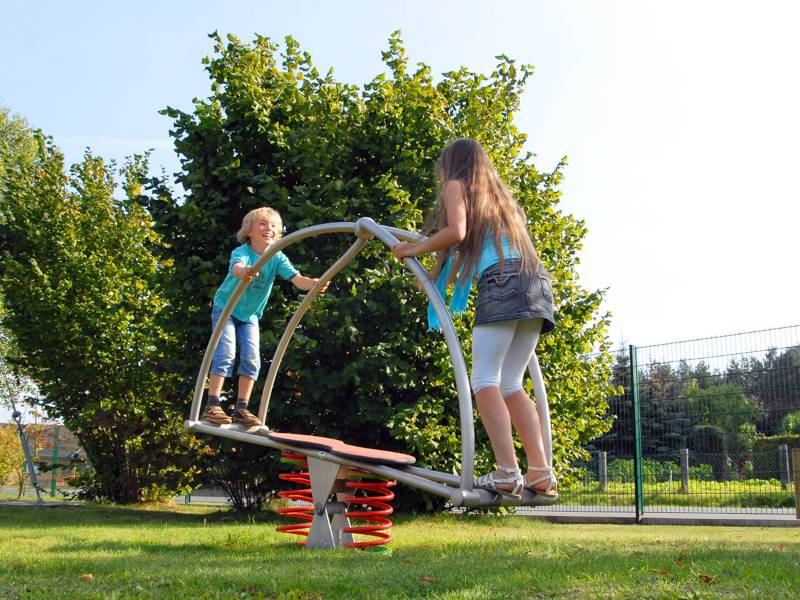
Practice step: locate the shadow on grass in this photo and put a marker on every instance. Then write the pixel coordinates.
(98, 515)
(481, 570)
(442, 556)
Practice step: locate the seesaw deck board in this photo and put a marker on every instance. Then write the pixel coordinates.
(340, 448)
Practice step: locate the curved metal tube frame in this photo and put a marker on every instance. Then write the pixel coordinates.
(365, 229)
(542, 406)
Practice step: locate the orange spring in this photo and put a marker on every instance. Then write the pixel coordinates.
(304, 513)
(378, 505)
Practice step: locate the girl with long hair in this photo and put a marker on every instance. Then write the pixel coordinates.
(481, 233)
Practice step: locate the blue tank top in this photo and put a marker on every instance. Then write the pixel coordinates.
(458, 302)
(489, 254)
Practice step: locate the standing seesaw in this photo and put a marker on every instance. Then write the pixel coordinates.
(333, 464)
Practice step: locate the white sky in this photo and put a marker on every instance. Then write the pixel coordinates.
(681, 120)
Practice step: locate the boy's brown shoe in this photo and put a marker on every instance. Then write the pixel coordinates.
(215, 414)
(245, 417)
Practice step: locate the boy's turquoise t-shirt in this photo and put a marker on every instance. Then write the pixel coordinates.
(252, 302)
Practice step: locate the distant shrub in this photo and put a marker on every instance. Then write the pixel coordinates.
(653, 471)
(701, 473)
(765, 454)
(791, 423)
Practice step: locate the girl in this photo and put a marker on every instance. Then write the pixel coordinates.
(482, 231)
(260, 228)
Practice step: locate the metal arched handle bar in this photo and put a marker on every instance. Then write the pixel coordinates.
(280, 351)
(365, 229)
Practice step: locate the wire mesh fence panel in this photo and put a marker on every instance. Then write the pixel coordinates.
(719, 418)
(601, 485)
(605, 482)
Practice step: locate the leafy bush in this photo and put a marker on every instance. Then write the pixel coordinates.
(79, 283)
(276, 132)
(791, 423)
(653, 471)
(765, 454)
(753, 493)
(11, 455)
(701, 473)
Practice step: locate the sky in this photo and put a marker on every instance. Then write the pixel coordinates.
(680, 120)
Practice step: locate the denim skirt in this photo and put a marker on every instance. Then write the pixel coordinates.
(509, 294)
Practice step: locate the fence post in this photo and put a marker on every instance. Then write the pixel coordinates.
(684, 471)
(796, 467)
(26, 449)
(603, 470)
(783, 461)
(637, 436)
(53, 479)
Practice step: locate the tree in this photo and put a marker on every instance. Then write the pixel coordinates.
(12, 458)
(775, 381)
(619, 440)
(276, 132)
(12, 455)
(79, 283)
(726, 410)
(16, 143)
(791, 423)
(724, 405)
(17, 392)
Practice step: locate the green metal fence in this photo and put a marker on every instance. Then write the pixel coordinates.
(704, 426)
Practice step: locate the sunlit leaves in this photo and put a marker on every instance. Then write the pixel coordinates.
(275, 132)
(79, 282)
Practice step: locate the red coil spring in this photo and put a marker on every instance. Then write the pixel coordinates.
(302, 512)
(378, 505)
(375, 495)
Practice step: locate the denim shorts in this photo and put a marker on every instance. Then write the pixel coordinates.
(509, 294)
(243, 334)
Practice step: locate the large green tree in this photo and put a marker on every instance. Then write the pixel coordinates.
(773, 380)
(80, 289)
(274, 131)
(12, 458)
(17, 145)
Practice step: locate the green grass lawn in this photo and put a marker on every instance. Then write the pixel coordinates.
(752, 493)
(196, 552)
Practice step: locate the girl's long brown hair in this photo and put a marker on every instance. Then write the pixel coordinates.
(491, 208)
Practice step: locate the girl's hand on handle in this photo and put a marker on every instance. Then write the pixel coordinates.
(324, 287)
(403, 249)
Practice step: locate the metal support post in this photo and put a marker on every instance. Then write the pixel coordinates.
(783, 462)
(323, 477)
(684, 471)
(796, 467)
(603, 470)
(637, 437)
(54, 477)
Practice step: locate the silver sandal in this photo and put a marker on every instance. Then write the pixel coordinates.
(489, 482)
(551, 491)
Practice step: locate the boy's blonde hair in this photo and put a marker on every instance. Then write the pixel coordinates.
(264, 212)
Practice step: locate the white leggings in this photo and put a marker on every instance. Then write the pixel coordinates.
(501, 352)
